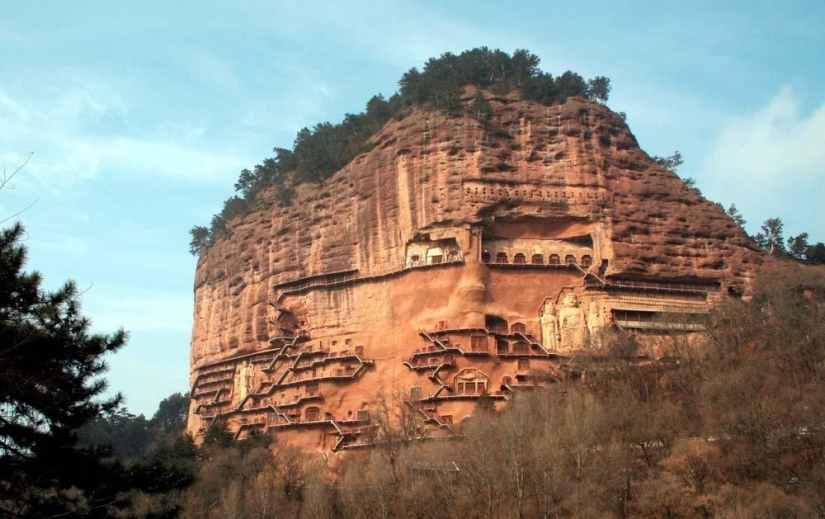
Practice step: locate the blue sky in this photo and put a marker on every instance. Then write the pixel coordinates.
(141, 115)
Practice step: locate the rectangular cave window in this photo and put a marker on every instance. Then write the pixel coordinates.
(312, 414)
(496, 324)
(478, 343)
(359, 351)
(312, 389)
(435, 260)
(523, 364)
(521, 347)
(415, 393)
(362, 415)
(447, 419)
(519, 328)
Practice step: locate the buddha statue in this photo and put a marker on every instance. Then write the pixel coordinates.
(549, 327)
(572, 324)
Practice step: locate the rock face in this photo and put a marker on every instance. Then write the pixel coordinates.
(456, 258)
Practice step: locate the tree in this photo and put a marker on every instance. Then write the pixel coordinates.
(319, 152)
(485, 403)
(690, 183)
(50, 385)
(570, 84)
(798, 245)
(771, 239)
(125, 434)
(481, 107)
(525, 65)
(170, 418)
(598, 88)
(218, 436)
(671, 162)
(131, 436)
(815, 253)
(737, 217)
(201, 239)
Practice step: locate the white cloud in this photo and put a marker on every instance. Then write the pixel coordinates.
(776, 139)
(15, 109)
(166, 159)
(80, 129)
(773, 161)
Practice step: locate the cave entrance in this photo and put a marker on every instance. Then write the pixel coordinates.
(496, 324)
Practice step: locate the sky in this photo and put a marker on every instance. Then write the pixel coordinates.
(140, 115)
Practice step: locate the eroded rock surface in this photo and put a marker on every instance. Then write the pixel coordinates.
(420, 272)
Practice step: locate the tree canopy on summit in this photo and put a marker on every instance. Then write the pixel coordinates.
(320, 151)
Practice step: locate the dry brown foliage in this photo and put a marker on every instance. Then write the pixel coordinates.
(734, 429)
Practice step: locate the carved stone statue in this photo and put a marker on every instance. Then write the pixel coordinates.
(549, 327)
(595, 323)
(243, 380)
(594, 318)
(572, 324)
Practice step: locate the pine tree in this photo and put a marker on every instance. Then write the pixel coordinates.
(671, 162)
(598, 89)
(482, 108)
(771, 239)
(737, 217)
(798, 246)
(50, 386)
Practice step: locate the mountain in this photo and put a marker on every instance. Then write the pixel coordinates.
(462, 258)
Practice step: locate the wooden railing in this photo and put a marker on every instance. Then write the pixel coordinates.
(351, 279)
(661, 287)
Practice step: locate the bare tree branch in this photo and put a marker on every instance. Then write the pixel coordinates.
(4, 181)
(18, 213)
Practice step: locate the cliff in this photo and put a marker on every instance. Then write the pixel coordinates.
(453, 223)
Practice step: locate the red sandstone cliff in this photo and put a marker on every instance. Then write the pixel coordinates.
(456, 258)
(577, 162)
